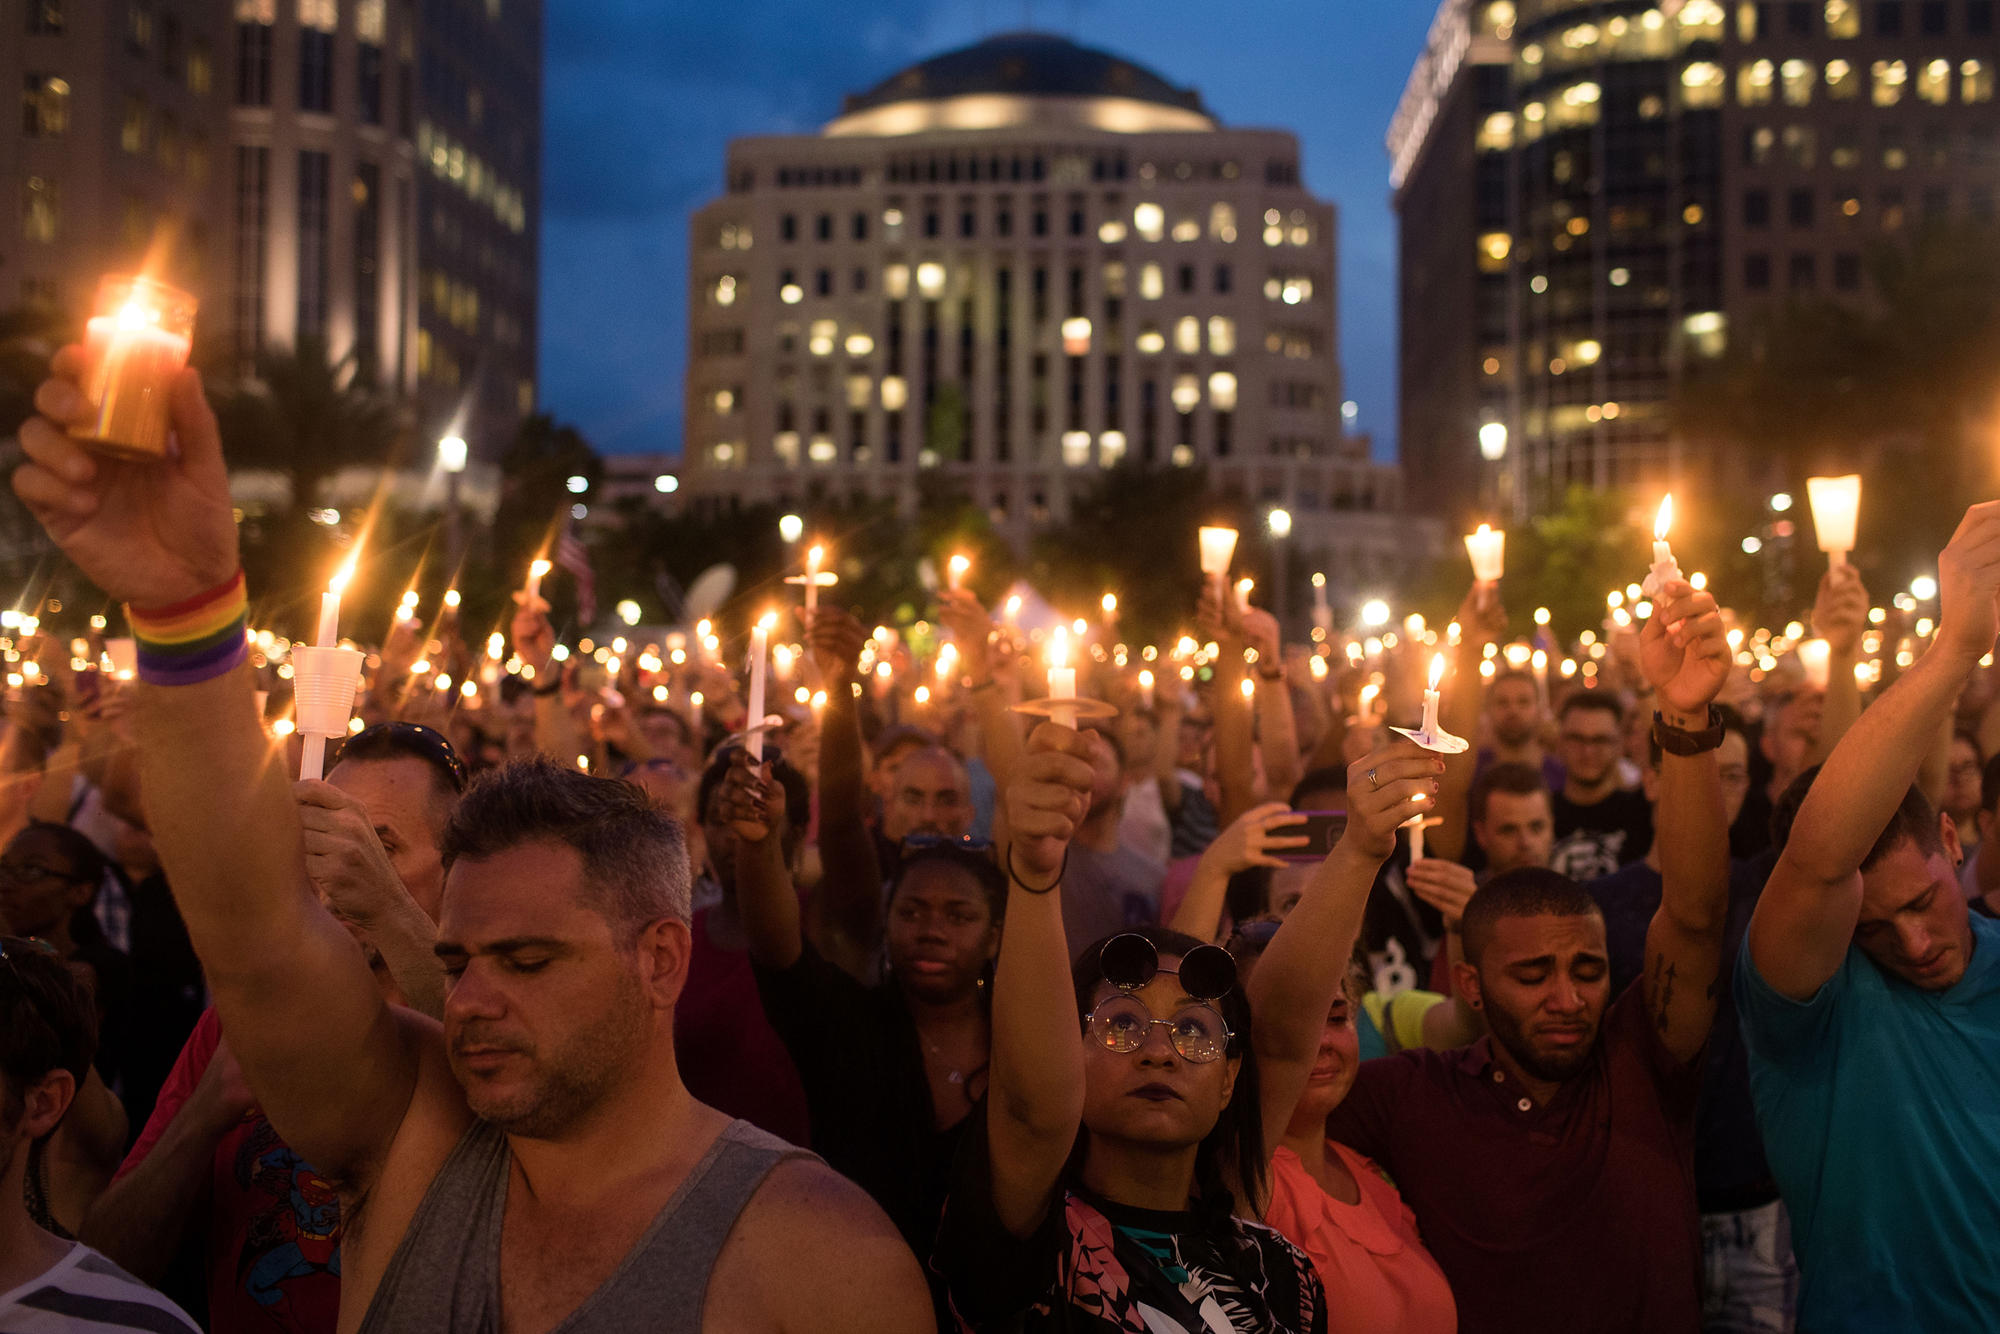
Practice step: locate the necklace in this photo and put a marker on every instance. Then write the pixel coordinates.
(951, 1076)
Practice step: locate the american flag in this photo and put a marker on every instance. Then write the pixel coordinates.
(570, 555)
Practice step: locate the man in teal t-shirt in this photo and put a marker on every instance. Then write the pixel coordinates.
(1870, 1004)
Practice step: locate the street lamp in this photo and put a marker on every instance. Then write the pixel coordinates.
(452, 456)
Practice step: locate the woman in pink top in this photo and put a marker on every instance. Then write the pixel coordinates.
(1337, 1207)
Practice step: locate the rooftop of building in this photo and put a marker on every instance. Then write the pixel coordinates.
(1022, 77)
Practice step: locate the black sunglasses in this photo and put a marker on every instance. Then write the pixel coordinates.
(1129, 962)
(425, 743)
(923, 845)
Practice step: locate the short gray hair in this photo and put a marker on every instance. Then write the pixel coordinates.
(635, 859)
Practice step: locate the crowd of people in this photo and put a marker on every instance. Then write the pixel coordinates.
(588, 1010)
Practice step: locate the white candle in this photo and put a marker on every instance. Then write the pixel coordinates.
(1012, 612)
(1146, 689)
(1430, 727)
(814, 555)
(533, 591)
(1243, 587)
(1365, 712)
(694, 705)
(329, 604)
(1416, 828)
(955, 570)
(1062, 678)
(1541, 665)
(760, 635)
(1665, 567)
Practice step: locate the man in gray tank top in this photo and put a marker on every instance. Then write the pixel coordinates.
(534, 1163)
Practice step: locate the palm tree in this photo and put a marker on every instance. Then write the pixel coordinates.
(307, 415)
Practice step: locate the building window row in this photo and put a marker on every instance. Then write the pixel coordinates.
(1763, 82)
(476, 178)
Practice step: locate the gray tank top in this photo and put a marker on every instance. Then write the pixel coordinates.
(445, 1276)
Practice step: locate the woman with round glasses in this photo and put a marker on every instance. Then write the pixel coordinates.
(1108, 1181)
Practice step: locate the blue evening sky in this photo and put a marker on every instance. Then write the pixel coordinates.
(643, 95)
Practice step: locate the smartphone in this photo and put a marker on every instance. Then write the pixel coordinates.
(1321, 830)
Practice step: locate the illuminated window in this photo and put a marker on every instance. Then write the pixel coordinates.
(1300, 234)
(1746, 21)
(1076, 448)
(1494, 247)
(896, 281)
(1841, 81)
(45, 106)
(1702, 84)
(1934, 83)
(1499, 19)
(725, 401)
(1274, 227)
(1576, 106)
(819, 338)
(132, 128)
(1843, 18)
(1753, 83)
(785, 445)
(1222, 223)
(724, 452)
(725, 290)
(1221, 336)
(895, 393)
(1076, 336)
(791, 294)
(1798, 78)
(1150, 221)
(1584, 352)
(1110, 448)
(1222, 391)
(1151, 284)
(1701, 20)
(41, 210)
(1187, 393)
(1187, 335)
(860, 391)
(1889, 78)
(930, 278)
(1799, 145)
(859, 344)
(1112, 232)
(1292, 291)
(1581, 38)
(1496, 133)
(1975, 82)
(1150, 340)
(1187, 229)
(1114, 278)
(822, 450)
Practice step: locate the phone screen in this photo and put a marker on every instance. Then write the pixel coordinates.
(1321, 830)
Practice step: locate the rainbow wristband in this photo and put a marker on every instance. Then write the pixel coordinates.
(192, 641)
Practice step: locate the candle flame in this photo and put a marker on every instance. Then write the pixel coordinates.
(1243, 587)
(1059, 647)
(495, 642)
(960, 564)
(1109, 602)
(343, 576)
(1437, 669)
(540, 568)
(1483, 531)
(1665, 518)
(768, 622)
(451, 598)
(1145, 680)
(1368, 694)
(1014, 605)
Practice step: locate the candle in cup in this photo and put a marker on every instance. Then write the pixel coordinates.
(1218, 548)
(1365, 710)
(1487, 548)
(1062, 679)
(1836, 506)
(1243, 587)
(135, 344)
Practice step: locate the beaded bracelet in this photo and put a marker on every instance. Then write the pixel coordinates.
(192, 641)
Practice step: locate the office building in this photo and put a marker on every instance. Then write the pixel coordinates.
(1008, 269)
(1669, 172)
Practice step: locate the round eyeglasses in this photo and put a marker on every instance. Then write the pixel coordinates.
(1123, 1023)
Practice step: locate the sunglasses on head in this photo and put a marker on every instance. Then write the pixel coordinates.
(426, 743)
(922, 845)
(1129, 962)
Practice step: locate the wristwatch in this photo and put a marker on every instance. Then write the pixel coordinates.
(1679, 741)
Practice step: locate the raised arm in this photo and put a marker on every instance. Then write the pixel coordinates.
(999, 728)
(1035, 1102)
(1277, 730)
(1685, 658)
(1254, 838)
(1840, 616)
(331, 1066)
(1805, 919)
(1235, 720)
(1295, 982)
(851, 881)
(350, 870)
(752, 803)
(1482, 620)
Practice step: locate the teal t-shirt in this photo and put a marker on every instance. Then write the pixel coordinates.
(1880, 1107)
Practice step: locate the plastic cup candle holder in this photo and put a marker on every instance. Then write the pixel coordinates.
(1487, 549)
(1218, 548)
(136, 341)
(1836, 510)
(324, 681)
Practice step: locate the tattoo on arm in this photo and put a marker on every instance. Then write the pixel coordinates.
(1662, 987)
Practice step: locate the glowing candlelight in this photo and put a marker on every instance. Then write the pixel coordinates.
(694, 706)
(814, 555)
(1062, 678)
(1836, 509)
(1243, 587)
(1218, 548)
(135, 345)
(1146, 689)
(760, 635)
(1665, 567)
(1816, 656)
(1430, 727)
(329, 603)
(1415, 824)
(451, 599)
(1365, 712)
(1541, 666)
(1012, 611)
(532, 593)
(955, 570)
(1487, 548)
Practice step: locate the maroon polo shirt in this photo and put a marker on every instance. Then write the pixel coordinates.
(1576, 1216)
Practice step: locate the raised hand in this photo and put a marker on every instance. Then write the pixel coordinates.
(1385, 788)
(1445, 885)
(1252, 838)
(746, 798)
(1969, 585)
(970, 627)
(1481, 617)
(1048, 799)
(1840, 612)
(1683, 652)
(534, 638)
(151, 534)
(834, 639)
(1260, 632)
(345, 861)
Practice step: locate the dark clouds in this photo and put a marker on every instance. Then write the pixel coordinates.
(642, 97)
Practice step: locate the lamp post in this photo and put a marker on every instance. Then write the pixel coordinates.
(453, 454)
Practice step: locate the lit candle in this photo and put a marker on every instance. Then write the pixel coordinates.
(1487, 549)
(955, 570)
(329, 604)
(1541, 665)
(1243, 587)
(1322, 610)
(451, 599)
(1816, 657)
(1012, 611)
(694, 705)
(1218, 548)
(1415, 824)
(135, 344)
(532, 593)
(760, 635)
(1365, 715)
(1146, 689)
(1062, 679)
(814, 555)
(1836, 508)
(1430, 727)
(1665, 567)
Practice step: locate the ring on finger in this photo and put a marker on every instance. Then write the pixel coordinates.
(1374, 783)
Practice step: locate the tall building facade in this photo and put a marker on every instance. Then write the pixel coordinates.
(1008, 269)
(1671, 170)
(364, 173)
(118, 157)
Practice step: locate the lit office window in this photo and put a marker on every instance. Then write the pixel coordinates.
(1753, 83)
(1187, 335)
(1221, 336)
(1702, 84)
(1222, 223)
(1975, 82)
(1843, 18)
(1934, 83)
(1150, 221)
(1841, 81)
(1222, 391)
(1496, 133)
(1798, 81)
(1151, 284)
(1150, 340)
(1889, 78)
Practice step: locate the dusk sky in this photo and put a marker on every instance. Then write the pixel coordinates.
(644, 95)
